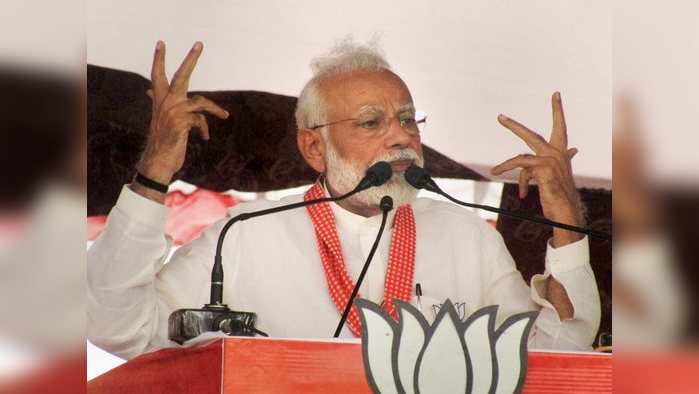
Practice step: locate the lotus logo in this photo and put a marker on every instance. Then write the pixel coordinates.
(449, 356)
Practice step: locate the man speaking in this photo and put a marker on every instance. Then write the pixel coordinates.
(297, 269)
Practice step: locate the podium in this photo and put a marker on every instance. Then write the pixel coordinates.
(261, 365)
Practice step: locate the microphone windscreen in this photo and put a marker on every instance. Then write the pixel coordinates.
(416, 176)
(379, 173)
(386, 203)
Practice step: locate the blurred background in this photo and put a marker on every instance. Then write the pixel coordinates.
(42, 196)
(656, 198)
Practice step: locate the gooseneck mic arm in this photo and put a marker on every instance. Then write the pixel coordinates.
(420, 179)
(386, 206)
(376, 175)
(185, 324)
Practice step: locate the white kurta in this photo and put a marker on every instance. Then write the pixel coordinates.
(272, 267)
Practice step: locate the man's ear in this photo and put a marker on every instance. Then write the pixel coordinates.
(312, 148)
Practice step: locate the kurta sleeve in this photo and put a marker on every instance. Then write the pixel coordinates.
(131, 291)
(569, 265)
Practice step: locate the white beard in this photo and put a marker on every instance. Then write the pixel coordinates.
(344, 176)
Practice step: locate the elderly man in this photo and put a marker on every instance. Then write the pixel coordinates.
(296, 269)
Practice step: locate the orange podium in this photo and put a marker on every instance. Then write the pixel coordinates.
(261, 365)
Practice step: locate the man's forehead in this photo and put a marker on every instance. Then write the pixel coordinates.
(367, 91)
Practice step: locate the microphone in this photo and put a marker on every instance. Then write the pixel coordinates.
(185, 324)
(420, 179)
(376, 175)
(386, 205)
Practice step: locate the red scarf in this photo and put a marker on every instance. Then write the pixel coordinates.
(401, 261)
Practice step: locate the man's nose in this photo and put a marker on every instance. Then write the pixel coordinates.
(397, 136)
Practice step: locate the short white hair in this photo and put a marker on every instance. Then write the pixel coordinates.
(345, 57)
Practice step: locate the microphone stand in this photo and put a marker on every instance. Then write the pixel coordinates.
(581, 230)
(216, 298)
(185, 324)
(386, 206)
(419, 179)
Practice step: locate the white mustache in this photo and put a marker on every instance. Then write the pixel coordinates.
(403, 154)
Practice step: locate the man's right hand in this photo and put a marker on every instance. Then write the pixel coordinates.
(173, 116)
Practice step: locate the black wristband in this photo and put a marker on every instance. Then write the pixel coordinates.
(151, 184)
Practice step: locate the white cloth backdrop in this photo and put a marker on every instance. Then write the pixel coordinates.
(465, 61)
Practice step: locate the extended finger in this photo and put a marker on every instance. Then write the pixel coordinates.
(559, 135)
(157, 73)
(201, 103)
(572, 152)
(536, 142)
(524, 177)
(523, 160)
(180, 81)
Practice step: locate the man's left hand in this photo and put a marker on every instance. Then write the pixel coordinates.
(550, 167)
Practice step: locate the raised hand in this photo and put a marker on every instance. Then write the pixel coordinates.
(550, 167)
(173, 116)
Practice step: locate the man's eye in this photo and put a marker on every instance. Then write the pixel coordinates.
(369, 124)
